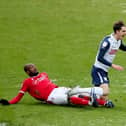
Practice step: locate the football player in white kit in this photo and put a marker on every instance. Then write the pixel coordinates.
(105, 56)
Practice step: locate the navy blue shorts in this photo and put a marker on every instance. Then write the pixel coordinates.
(99, 76)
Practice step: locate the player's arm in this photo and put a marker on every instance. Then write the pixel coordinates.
(16, 99)
(13, 101)
(21, 93)
(122, 47)
(102, 51)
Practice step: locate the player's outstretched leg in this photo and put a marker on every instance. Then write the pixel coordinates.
(107, 104)
(79, 101)
(78, 90)
(100, 102)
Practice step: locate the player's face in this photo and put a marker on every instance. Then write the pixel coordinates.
(121, 33)
(32, 71)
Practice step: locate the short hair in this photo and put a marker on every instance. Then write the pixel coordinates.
(27, 66)
(118, 25)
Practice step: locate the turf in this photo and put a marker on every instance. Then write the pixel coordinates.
(61, 37)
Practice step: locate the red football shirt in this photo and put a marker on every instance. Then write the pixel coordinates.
(38, 86)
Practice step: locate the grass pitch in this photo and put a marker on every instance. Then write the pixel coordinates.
(61, 37)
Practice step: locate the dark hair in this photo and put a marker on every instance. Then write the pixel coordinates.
(118, 25)
(27, 66)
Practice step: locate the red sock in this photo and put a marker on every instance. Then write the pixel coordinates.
(78, 101)
(101, 101)
(84, 97)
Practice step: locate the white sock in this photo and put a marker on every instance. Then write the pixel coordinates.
(96, 90)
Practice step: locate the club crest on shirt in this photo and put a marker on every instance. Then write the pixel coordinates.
(104, 44)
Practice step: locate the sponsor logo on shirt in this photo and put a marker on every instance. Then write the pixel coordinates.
(39, 79)
(113, 51)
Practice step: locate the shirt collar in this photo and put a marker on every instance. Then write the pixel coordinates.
(112, 36)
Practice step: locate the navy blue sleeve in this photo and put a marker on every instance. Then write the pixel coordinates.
(122, 47)
(103, 49)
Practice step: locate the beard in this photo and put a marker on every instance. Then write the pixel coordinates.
(33, 74)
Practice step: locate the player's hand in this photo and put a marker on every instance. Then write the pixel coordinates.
(117, 67)
(4, 102)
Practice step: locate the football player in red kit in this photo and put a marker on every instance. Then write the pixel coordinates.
(39, 86)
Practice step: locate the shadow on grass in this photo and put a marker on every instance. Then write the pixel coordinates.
(63, 106)
(118, 108)
(101, 108)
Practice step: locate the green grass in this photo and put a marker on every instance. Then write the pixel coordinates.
(61, 37)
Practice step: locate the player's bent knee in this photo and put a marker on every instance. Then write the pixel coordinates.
(105, 88)
(105, 93)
